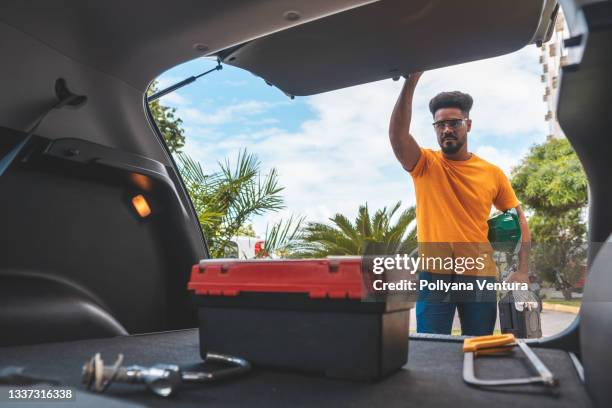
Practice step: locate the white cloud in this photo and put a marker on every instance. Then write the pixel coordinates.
(506, 90)
(504, 159)
(166, 81)
(342, 158)
(174, 99)
(224, 114)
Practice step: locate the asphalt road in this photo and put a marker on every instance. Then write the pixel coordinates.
(552, 322)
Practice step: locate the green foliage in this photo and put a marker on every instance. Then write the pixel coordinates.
(550, 182)
(559, 251)
(246, 230)
(225, 200)
(282, 239)
(550, 178)
(367, 235)
(169, 125)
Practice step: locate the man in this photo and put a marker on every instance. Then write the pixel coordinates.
(455, 191)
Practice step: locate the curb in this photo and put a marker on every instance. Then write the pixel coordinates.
(560, 308)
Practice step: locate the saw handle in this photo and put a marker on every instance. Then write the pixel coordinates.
(481, 343)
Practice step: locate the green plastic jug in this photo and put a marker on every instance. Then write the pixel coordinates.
(505, 231)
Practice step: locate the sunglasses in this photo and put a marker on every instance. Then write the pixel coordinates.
(451, 123)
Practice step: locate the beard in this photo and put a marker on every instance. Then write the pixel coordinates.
(451, 148)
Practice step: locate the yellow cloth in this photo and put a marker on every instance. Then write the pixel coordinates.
(453, 203)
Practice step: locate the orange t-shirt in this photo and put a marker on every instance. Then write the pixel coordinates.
(453, 203)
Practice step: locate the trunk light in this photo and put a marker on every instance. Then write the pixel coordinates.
(141, 206)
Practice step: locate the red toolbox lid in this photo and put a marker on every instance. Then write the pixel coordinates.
(332, 277)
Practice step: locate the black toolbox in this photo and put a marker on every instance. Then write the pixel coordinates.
(302, 315)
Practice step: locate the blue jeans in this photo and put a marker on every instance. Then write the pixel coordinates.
(435, 309)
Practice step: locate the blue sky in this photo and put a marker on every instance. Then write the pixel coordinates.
(332, 150)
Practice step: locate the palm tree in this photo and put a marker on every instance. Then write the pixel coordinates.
(283, 238)
(225, 200)
(376, 235)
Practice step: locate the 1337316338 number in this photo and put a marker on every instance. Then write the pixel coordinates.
(39, 394)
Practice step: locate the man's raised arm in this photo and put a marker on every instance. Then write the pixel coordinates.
(404, 146)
